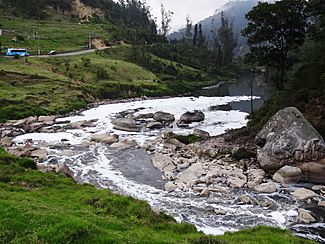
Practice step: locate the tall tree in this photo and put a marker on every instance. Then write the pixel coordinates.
(225, 41)
(188, 29)
(166, 18)
(200, 37)
(195, 35)
(273, 30)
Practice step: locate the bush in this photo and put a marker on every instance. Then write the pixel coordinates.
(242, 153)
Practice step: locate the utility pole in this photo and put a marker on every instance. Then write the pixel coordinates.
(89, 42)
(38, 45)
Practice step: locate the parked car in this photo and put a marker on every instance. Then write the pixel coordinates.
(52, 52)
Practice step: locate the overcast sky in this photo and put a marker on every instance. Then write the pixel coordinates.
(196, 9)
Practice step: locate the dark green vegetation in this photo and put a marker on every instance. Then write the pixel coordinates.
(188, 139)
(40, 207)
(301, 78)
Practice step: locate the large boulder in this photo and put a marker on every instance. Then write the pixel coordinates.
(289, 140)
(163, 117)
(126, 124)
(287, 175)
(195, 116)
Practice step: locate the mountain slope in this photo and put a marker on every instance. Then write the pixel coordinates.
(235, 10)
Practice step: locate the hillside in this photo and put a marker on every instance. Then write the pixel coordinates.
(235, 10)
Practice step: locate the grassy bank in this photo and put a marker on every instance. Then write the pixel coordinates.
(40, 207)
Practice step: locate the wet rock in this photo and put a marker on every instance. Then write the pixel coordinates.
(144, 116)
(237, 180)
(161, 161)
(205, 193)
(181, 124)
(35, 126)
(154, 125)
(41, 154)
(105, 138)
(266, 188)
(26, 150)
(318, 188)
(314, 171)
(321, 204)
(191, 174)
(169, 175)
(268, 203)
(290, 138)
(170, 186)
(64, 169)
(6, 141)
(247, 199)
(219, 212)
(46, 119)
(303, 194)
(165, 118)
(126, 124)
(125, 144)
(201, 133)
(195, 116)
(255, 177)
(288, 174)
(304, 216)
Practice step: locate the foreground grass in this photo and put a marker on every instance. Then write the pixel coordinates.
(45, 208)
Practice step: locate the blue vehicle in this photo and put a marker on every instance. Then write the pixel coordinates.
(22, 52)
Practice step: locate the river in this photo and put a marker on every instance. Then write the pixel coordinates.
(130, 172)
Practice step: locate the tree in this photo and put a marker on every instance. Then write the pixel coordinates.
(225, 41)
(200, 37)
(273, 30)
(166, 18)
(195, 35)
(188, 29)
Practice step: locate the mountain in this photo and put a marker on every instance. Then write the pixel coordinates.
(234, 10)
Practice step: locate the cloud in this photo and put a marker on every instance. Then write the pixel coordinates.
(196, 9)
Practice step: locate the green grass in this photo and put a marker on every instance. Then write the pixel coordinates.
(40, 207)
(60, 35)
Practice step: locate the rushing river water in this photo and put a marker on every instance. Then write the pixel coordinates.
(130, 172)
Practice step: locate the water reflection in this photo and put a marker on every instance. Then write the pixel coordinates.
(240, 87)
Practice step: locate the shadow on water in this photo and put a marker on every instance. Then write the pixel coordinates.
(240, 87)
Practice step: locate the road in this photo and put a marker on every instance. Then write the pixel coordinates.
(75, 53)
(71, 53)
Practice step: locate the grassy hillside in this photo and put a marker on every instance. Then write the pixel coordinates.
(45, 208)
(48, 35)
(35, 86)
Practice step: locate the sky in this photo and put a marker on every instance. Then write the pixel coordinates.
(196, 9)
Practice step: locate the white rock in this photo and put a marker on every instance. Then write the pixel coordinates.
(304, 216)
(266, 188)
(303, 194)
(170, 186)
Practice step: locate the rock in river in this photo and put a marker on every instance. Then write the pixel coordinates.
(126, 124)
(164, 117)
(195, 116)
(288, 174)
(289, 139)
(303, 194)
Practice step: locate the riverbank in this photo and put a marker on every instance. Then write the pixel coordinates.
(31, 200)
(216, 197)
